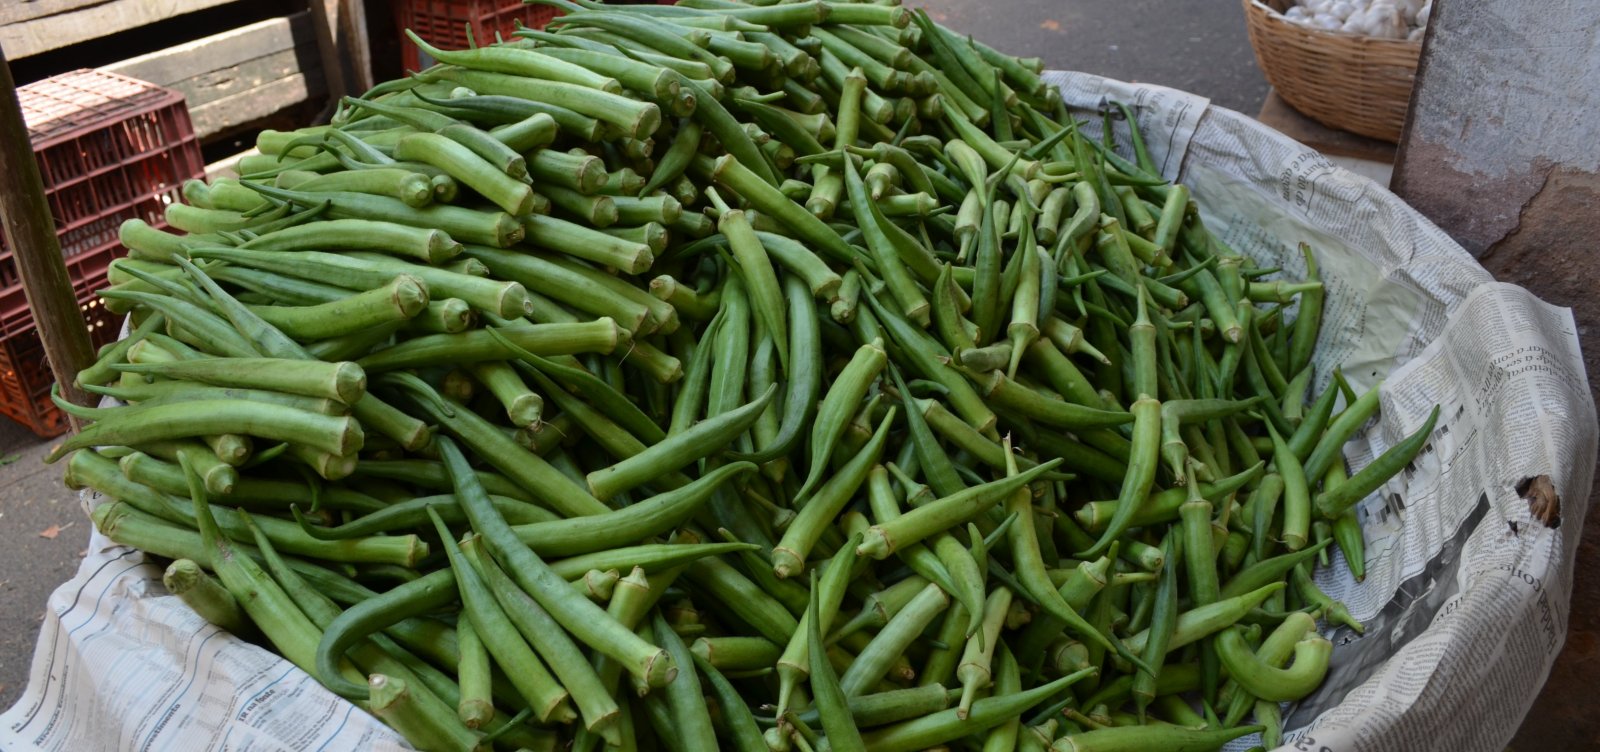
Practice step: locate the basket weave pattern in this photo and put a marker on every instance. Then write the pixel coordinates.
(1348, 81)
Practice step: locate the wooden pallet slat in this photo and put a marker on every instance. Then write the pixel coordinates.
(256, 103)
(239, 75)
(67, 22)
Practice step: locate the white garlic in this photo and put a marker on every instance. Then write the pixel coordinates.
(1416, 34)
(1326, 23)
(1385, 22)
(1342, 10)
(1422, 15)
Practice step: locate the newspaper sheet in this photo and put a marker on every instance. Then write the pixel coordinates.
(122, 665)
(1465, 599)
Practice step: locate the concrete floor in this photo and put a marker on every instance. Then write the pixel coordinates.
(32, 501)
(1197, 47)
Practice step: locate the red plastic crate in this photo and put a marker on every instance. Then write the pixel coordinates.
(110, 148)
(443, 23)
(25, 376)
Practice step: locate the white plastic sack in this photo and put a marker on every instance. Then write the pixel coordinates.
(1466, 595)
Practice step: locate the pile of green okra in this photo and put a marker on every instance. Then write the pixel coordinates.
(749, 376)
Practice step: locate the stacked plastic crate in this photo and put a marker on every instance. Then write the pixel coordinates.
(443, 23)
(110, 149)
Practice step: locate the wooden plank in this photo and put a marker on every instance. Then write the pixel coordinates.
(17, 11)
(227, 112)
(356, 44)
(81, 24)
(325, 20)
(36, 250)
(217, 52)
(248, 72)
(211, 86)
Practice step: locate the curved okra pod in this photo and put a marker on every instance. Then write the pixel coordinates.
(601, 335)
(1140, 475)
(1009, 394)
(1331, 610)
(904, 628)
(1329, 447)
(532, 679)
(596, 706)
(632, 117)
(840, 403)
(827, 593)
(1347, 529)
(520, 62)
(789, 556)
(1268, 571)
(736, 716)
(462, 224)
(804, 372)
(1199, 622)
(129, 426)
(674, 452)
(1175, 414)
(1296, 527)
(886, 537)
(874, 227)
(1163, 621)
(1308, 322)
(1269, 682)
(826, 691)
(937, 728)
(741, 181)
(584, 620)
(1164, 506)
(412, 512)
(1314, 420)
(760, 280)
(412, 188)
(635, 522)
(1333, 504)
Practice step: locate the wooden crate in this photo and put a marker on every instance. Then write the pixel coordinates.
(29, 28)
(239, 76)
(240, 64)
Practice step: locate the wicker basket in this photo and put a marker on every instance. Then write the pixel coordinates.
(1357, 83)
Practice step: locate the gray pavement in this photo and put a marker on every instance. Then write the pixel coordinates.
(1198, 47)
(33, 505)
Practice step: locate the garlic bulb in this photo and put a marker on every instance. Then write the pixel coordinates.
(1385, 19)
